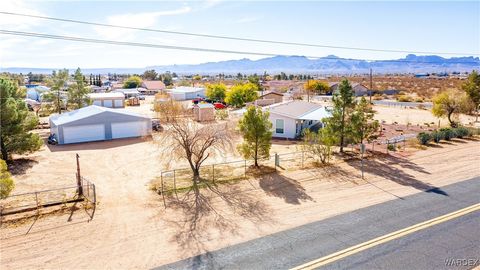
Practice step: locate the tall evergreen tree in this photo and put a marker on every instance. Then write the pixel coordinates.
(256, 129)
(343, 106)
(77, 92)
(16, 123)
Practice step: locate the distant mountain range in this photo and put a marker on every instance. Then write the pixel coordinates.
(300, 64)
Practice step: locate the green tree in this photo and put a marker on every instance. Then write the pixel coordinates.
(240, 94)
(57, 84)
(318, 144)
(78, 92)
(6, 181)
(343, 107)
(256, 129)
(16, 123)
(472, 88)
(450, 103)
(150, 75)
(255, 79)
(167, 78)
(132, 82)
(364, 127)
(216, 91)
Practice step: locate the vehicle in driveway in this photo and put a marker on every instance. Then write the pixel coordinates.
(156, 126)
(219, 105)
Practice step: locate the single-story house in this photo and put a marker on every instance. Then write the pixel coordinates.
(127, 92)
(269, 98)
(95, 123)
(187, 93)
(203, 112)
(152, 87)
(290, 118)
(109, 100)
(358, 88)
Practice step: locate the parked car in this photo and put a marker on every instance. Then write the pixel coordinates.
(197, 100)
(156, 126)
(219, 105)
(141, 97)
(52, 139)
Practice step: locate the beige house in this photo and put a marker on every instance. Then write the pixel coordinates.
(203, 112)
(152, 87)
(358, 88)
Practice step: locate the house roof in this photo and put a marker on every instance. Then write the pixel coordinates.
(294, 109)
(186, 89)
(330, 84)
(127, 91)
(60, 119)
(272, 92)
(106, 95)
(153, 85)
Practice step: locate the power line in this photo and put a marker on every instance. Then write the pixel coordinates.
(184, 48)
(233, 38)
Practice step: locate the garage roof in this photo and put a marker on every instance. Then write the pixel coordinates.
(85, 112)
(106, 95)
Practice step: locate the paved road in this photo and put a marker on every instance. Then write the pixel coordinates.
(426, 249)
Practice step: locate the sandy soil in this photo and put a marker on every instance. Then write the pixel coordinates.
(132, 229)
(413, 116)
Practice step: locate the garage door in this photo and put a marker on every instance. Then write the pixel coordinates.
(118, 103)
(97, 102)
(108, 103)
(129, 129)
(85, 133)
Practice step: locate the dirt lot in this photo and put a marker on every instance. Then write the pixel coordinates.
(131, 228)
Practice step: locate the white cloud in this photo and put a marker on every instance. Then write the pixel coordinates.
(137, 20)
(12, 22)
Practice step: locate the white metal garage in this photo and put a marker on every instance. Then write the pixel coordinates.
(94, 123)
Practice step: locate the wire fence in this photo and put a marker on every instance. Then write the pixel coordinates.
(38, 202)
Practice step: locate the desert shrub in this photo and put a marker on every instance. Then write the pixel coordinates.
(461, 132)
(424, 138)
(6, 181)
(473, 131)
(377, 96)
(419, 99)
(391, 147)
(221, 114)
(404, 98)
(448, 133)
(437, 136)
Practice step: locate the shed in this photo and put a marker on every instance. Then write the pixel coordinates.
(95, 123)
(187, 93)
(203, 112)
(109, 100)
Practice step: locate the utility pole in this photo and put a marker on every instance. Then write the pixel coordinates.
(371, 86)
(79, 178)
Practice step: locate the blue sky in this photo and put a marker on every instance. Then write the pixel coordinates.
(414, 26)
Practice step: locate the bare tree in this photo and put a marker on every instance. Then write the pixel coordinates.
(185, 139)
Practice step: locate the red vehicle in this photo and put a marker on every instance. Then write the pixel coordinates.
(219, 105)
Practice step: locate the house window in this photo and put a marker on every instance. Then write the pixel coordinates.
(279, 125)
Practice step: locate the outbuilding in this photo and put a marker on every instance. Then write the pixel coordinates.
(109, 100)
(187, 93)
(95, 123)
(203, 112)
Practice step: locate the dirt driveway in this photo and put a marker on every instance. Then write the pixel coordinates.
(132, 230)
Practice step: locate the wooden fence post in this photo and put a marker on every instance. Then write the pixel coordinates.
(245, 169)
(36, 199)
(163, 192)
(213, 173)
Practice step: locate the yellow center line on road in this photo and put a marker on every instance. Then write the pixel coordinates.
(386, 238)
